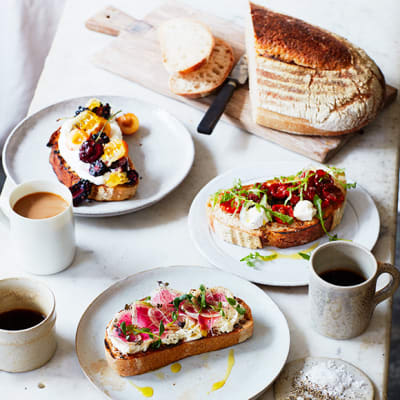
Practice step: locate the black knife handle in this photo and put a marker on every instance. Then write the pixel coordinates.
(213, 114)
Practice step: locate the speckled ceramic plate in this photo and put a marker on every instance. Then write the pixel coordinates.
(153, 149)
(258, 361)
(360, 223)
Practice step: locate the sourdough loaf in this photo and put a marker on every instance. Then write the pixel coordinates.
(306, 80)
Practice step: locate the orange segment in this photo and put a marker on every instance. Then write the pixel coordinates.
(90, 122)
(129, 123)
(79, 136)
(117, 178)
(114, 150)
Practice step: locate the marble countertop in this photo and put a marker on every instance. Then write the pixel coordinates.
(110, 249)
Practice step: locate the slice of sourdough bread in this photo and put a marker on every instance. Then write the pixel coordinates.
(139, 363)
(186, 44)
(209, 77)
(230, 229)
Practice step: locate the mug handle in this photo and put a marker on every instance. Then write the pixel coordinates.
(392, 286)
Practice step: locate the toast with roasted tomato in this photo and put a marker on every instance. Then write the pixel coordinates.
(280, 212)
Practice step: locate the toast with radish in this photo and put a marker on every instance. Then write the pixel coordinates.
(170, 325)
(281, 212)
(89, 155)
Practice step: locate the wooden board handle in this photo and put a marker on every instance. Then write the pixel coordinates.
(112, 21)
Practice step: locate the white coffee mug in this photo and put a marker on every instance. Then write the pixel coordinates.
(42, 246)
(27, 349)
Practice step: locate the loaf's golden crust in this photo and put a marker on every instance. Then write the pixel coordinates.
(305, 80)
(294, 41)
(68, 177)
(139, 363)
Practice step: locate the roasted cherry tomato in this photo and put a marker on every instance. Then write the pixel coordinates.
(278, 190)
(230, 207)
(287, 210)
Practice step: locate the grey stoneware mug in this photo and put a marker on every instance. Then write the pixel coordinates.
(344, 312)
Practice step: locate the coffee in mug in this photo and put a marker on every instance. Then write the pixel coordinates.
(342, 289)
(41, 226)
(40, 205)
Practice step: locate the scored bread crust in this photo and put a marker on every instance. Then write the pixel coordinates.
(139, 363)
(306, 80)
(229, 228)
(209, 77)
(69, 177)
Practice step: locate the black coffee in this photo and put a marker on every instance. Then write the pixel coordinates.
(343, 277)
(15, 320)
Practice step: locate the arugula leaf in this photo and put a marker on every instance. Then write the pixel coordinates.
(123, 327)
(203, 303)
(178, 300)
(231, 301)
(351, 185)
(335, 170)
(161, 329)
(318, 205)
(252, 257)
(240, 310)
(174, 316)
(304, 255)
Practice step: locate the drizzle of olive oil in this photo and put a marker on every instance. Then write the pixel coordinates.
(175, 368)
(146, 391)
(293, 256)
(231, 362)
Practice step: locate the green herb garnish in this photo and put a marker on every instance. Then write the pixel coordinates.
(253, 257)
(304, 255)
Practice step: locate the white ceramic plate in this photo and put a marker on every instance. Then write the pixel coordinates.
(360, 223)
(258, 360)
(162, 151)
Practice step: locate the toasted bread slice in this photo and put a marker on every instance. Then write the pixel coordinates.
(139, 363)
(209, 77)
(230, 229)
(186, 44)
(69, 177)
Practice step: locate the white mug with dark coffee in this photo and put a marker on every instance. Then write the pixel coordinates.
(342, 288)
(41, 226)
(27, 324)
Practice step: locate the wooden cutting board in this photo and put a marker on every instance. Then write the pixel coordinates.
(135, 55)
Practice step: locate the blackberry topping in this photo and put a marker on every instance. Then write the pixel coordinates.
(103, 139)
(80, 109)
(133, 176)
(90, 151)
(181, 324)
(80, 191)
(103, 110)
(97, 168)
(120, 165)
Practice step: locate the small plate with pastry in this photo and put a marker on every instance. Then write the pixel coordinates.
(106, 149)
(176, 332)
(262, 222)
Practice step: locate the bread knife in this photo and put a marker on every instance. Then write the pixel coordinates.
(238, 76)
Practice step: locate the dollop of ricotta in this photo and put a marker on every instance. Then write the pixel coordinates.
(304, 210)
(253, 217)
